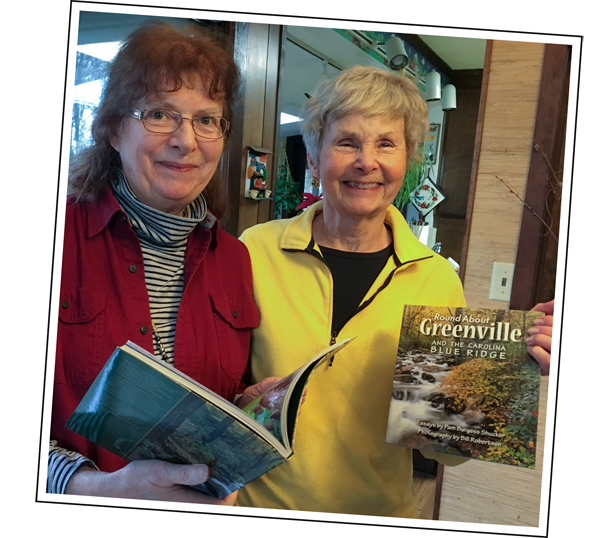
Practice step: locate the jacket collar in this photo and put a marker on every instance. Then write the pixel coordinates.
(407, 247)
(101, 212)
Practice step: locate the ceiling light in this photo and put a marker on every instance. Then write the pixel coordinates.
(396, 53)
(323, 77)
(449, 97)
(433, 86)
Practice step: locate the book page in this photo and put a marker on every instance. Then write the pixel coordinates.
(193, 386)
(277, 408)
(268, 408)
(173, 373)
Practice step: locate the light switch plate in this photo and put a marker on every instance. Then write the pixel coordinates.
(502, 277)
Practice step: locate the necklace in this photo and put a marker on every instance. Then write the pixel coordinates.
(161, 347)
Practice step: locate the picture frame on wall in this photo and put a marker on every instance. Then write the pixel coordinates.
(432, 143)
(427, 196)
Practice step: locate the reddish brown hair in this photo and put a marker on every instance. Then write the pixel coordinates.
(157, 57)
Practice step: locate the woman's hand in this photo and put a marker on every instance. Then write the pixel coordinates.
(539, 342)
(147, 479)
(254, 391)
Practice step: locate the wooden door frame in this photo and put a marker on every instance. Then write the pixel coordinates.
(476, 154)
(536, 261)
(535, 264)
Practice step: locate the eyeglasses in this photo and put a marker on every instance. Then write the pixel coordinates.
(157, 120)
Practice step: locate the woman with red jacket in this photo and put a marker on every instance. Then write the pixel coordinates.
(144, 258)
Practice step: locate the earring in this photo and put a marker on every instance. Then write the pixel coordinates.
(315, 181)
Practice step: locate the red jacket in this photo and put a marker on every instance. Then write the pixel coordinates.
(104, 302)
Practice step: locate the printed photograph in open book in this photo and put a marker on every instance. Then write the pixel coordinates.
(267, 409)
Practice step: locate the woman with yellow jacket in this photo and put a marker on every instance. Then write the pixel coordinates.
(346, 267)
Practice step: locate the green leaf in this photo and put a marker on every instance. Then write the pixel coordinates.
(412, 179)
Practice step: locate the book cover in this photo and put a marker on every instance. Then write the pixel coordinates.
(142, 408)
(465, 385)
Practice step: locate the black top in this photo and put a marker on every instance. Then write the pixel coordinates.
(353, 275)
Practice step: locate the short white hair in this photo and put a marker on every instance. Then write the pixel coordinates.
(370, 91)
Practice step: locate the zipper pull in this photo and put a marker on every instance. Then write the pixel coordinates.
(331, 342)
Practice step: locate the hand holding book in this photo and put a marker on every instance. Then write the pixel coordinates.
(150, 479)
(258, 389)
(464, 382)
(254, 391)
(141, 408)
(539, 342)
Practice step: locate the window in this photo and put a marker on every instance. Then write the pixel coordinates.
(90, 73)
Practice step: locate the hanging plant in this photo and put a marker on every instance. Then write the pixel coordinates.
(412, 179)
(287, 196)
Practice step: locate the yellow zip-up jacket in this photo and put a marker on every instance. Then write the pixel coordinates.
(341, 462)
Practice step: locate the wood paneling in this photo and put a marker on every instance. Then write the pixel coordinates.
(476, 154)
(232, 153)
(506, 140)
(254, 111)
(260, 110)
(425, 494)
(484, 492)
(270, 121)
(535, 269)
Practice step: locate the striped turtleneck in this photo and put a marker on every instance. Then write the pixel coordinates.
(163, 239)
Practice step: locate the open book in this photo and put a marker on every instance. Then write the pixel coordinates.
(140, 407)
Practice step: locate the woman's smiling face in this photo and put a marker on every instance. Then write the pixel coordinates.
(168, 171)
(362, 165)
